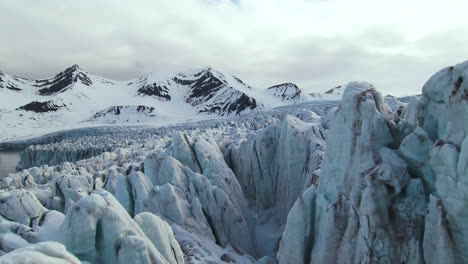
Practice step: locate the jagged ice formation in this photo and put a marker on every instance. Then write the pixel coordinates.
(370, 179)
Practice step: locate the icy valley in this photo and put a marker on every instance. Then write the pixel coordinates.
(199, 167)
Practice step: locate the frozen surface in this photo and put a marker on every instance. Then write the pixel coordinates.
(392, 186)
(361, 182)
(182, 174)
(98, 229)
(368, 179)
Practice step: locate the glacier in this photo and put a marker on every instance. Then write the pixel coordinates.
(365, 179)
(185, 176)
(392, 190)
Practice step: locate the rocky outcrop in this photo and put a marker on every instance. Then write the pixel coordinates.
(332, 94)
(209, 92)
(41, 107)
(146, 87)
(286, 91)
(62, 81)
(125, 109)
(131, 114)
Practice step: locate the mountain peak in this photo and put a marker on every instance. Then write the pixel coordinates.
(196, 72)
(73, 68)
(284, 85)
(206, 68)
(63, 81)
(202, 70)
(286, 91)
(337, 90)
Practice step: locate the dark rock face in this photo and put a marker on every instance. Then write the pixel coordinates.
(41, 107)
(182, 81)
(8, 85)
(243, 103)
(147, 88)
(284, 85)
(337, 89)
(160, 91)
(12, 87)
(62, 81)
(117, 110)
(206, 90)
(286, 91)
(204, 87)
(142, 108)
(213, 95)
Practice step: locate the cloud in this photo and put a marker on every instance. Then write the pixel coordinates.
(317, 44)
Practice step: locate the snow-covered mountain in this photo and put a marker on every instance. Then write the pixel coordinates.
(366, 179)
(332, 94)
(208, 90)
(74, 97)
(287, 92)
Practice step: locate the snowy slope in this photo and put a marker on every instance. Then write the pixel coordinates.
(211, 92)
(73, 97)
(124, 113)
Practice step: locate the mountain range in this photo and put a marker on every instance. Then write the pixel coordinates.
(76, 98)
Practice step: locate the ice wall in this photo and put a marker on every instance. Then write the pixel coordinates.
(391, 190)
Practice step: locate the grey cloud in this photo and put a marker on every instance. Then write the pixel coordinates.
(123, 40)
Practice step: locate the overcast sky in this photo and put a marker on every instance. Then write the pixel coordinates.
(317, 44)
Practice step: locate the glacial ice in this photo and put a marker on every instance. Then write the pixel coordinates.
(40, 253)
(190, 199)
(160, 233)
(184, 177)
(352, 216)
(21, 206)
(391, 190)
(374, 179)
(444, 108)
(99, 230)
(279, 163)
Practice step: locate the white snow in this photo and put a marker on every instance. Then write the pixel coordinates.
(365, 179)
